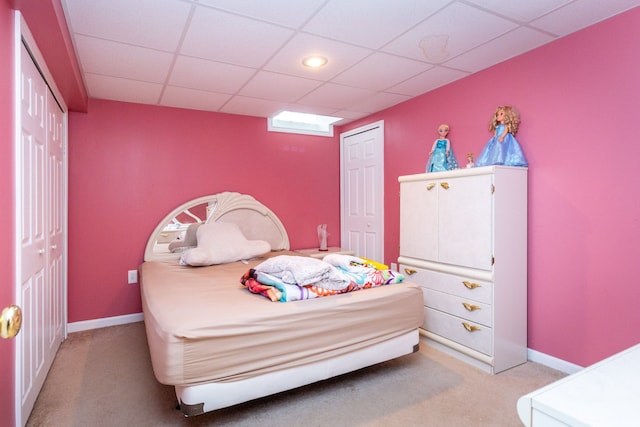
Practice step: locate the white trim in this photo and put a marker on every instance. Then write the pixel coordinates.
(86, 325)
(553, 362)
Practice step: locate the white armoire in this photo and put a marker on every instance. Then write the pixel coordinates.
(463, 239)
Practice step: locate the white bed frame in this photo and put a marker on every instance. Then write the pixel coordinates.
(259, 222)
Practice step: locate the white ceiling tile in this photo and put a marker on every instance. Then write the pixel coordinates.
(156, 24)
(122, 60)
(450, 32)
(232, 39)
(193, 99)
(104, 87)
(522, 11)
(252, 106)
(504, 47)
(340, 55)
(378, 102)
(370, 23)
(429, 80)
(380, 71)
(580, 14)
(210, 76)
(335, 96)
(279, 87)
(285, 12)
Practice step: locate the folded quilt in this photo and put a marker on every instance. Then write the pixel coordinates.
(291, 278)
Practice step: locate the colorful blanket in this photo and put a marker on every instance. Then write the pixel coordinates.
(291, 278)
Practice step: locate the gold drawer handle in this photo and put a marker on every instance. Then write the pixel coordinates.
(471, 307)
(470, 285)
(444, 185)
(410, 271)
(430, 186)
(469, 327)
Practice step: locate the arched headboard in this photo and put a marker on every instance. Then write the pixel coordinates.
(256, 221)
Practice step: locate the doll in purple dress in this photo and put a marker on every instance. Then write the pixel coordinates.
(441, 157)
(503, 148)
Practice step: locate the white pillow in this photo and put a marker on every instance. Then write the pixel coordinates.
(222, 242)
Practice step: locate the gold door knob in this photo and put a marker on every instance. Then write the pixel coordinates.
(444, 185)
(11, 319)
(410, 271)
(430, 186)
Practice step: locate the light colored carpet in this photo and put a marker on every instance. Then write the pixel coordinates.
(103, 377)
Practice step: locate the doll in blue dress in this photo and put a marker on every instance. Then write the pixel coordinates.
(503, 148)
(441, 157)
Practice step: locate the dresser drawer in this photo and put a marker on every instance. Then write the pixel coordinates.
(464, 308)
(464, 287)
(453, 328)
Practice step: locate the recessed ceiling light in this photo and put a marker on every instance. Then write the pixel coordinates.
(314, 61)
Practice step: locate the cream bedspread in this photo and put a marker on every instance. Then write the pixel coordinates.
(203, 325)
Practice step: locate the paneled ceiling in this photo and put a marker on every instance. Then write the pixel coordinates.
(245, 56)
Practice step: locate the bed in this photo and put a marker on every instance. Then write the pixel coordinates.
(219, 344)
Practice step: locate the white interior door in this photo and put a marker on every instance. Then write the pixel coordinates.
(40, 232)
(362, 191)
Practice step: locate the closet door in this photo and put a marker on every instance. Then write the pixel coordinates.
(40, 263)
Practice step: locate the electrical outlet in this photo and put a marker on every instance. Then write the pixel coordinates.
(132, 276)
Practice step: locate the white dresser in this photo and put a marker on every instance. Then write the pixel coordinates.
(604, 394)
(463, 238)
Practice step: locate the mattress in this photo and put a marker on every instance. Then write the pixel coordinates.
(204, 326)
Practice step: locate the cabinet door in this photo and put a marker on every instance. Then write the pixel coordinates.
(419, 220)
(465, 218)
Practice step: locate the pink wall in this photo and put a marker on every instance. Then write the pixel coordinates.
(579, 99)
(6, 201)
(131, 164)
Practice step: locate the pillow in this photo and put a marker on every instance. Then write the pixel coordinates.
(189, 241)
(222, 242)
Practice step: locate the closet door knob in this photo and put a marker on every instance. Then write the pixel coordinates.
(410, 271)
(444, 185)
(430, 186)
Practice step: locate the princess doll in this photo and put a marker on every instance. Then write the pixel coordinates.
(441, 157)
(503, 148)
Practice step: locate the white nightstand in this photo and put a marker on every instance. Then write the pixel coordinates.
(317, 253)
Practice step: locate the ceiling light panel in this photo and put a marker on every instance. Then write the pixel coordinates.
(465, 27)
(370, 23)
(138, 25)
(283, 12)
(341, 56)
(231, 39)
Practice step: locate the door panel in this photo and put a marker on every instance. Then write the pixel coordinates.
(362, 192)
(40, 263)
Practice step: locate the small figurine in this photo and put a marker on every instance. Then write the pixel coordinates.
(441, 157)
(503, 148)
(470, 163)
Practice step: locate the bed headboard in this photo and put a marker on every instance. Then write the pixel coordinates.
(256, 221)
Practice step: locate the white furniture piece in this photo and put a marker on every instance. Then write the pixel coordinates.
(463, 238)
(604, 394)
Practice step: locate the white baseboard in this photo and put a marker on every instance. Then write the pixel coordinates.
(553, 362)
(85, 325)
